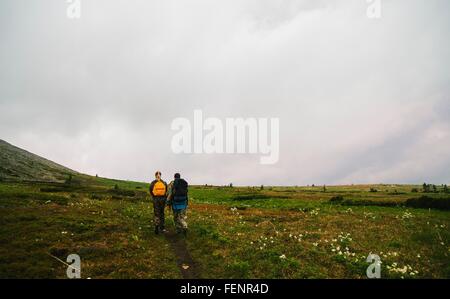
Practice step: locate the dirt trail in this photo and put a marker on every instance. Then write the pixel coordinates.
(187, 265)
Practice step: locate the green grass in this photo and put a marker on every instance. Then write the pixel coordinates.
(241, 232)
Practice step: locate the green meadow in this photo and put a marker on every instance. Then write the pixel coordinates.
(234, 232)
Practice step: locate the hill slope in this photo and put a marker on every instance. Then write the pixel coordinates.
(17, 164)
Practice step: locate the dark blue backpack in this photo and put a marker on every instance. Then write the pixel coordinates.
(180, 194)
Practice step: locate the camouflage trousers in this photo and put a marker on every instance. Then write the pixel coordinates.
(180, 217)
(159, 205)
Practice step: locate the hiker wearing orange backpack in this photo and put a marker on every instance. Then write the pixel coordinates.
(158, 193)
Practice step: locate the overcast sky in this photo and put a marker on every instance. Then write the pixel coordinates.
(360, 100)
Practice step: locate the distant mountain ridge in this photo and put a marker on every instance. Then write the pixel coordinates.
(17, 164)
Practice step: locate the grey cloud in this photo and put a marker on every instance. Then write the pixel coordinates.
(357, 98)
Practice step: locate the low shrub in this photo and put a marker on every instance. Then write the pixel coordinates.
(425, 202)
(52, 189)
(384, 203)
(337, 199)
(122, 192)
(257, 196)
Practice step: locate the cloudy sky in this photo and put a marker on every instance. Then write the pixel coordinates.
(360, 100)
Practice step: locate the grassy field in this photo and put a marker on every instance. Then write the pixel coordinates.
(240, 232)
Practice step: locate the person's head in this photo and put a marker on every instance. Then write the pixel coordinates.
(158, 175)
(177, 175)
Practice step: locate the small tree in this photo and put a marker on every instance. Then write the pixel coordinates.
(324, 188)
(116, 187)
(231, 185)
(69, 179)
(262, 187)
(434, 188)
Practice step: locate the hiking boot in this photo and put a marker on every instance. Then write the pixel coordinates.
(156, 230)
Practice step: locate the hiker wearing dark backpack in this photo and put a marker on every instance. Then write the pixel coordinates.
(178, 199)
(158, 193)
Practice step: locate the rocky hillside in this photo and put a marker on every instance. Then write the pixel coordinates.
(17, 164)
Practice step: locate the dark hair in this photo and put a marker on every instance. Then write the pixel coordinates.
(158, 172)
(177, 175)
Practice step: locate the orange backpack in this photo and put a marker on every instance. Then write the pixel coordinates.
(159, 189)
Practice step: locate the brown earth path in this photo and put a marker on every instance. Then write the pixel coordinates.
(188, 267)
